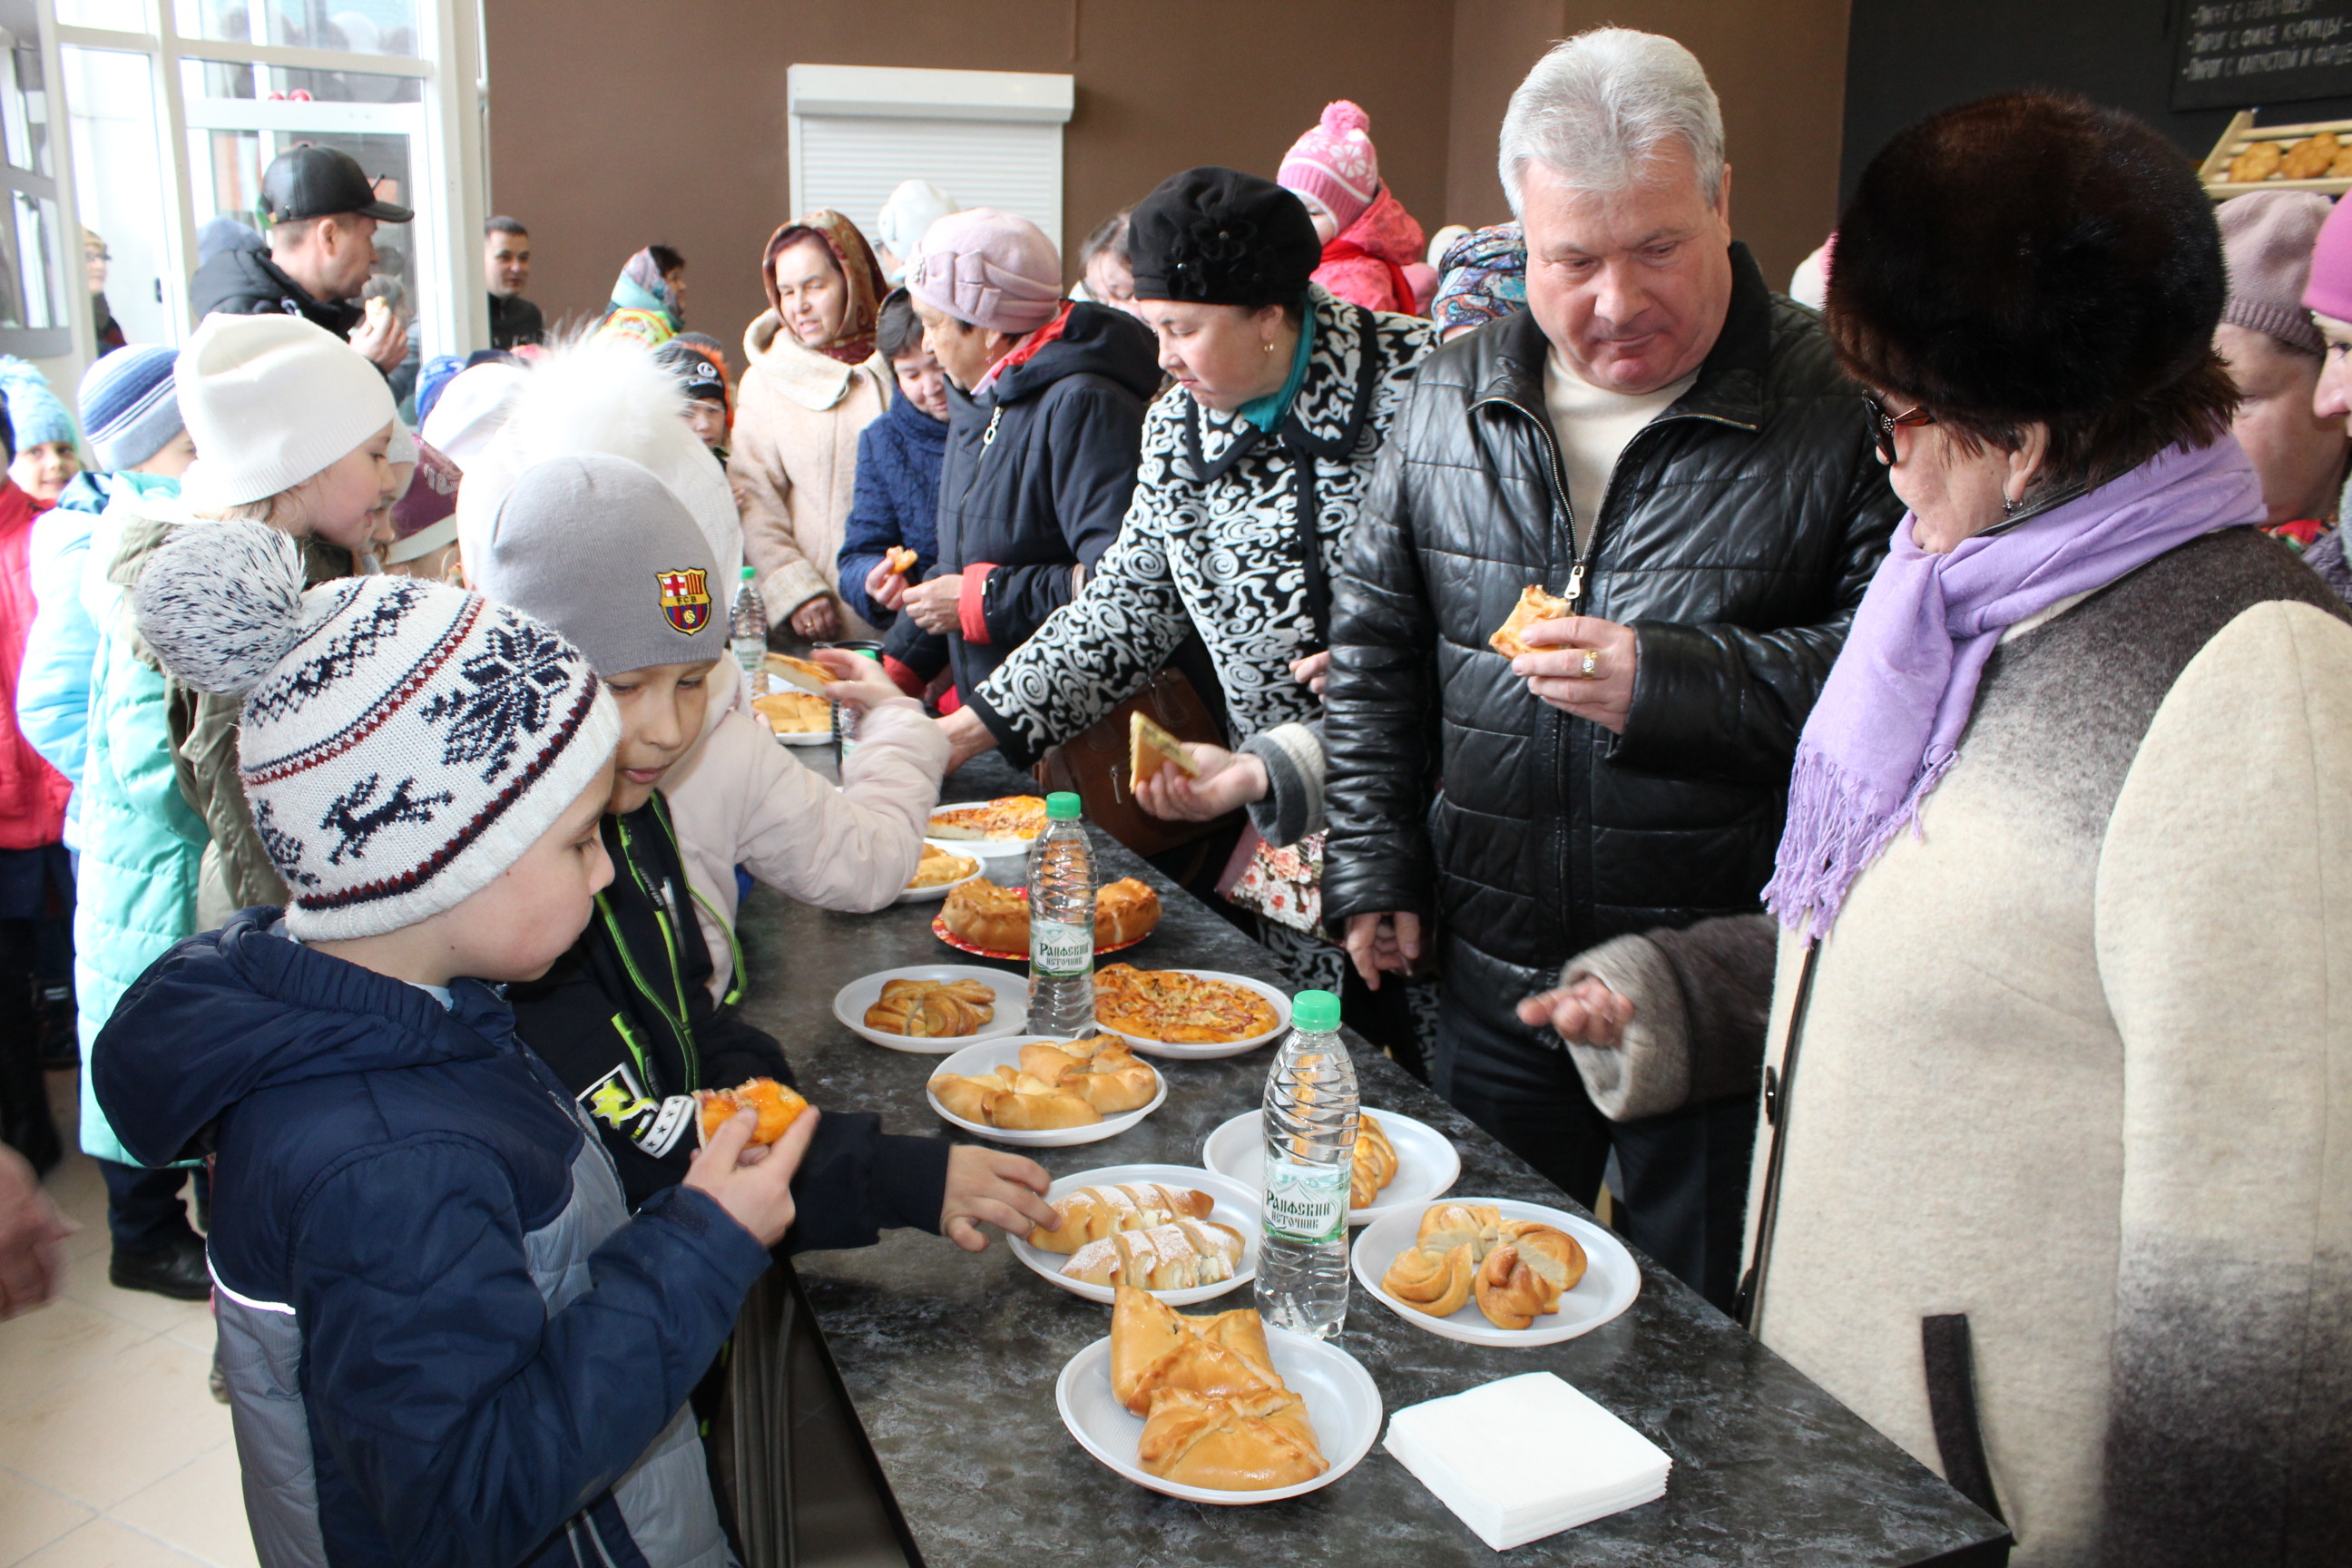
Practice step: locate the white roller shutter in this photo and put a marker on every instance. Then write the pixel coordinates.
(987, 137)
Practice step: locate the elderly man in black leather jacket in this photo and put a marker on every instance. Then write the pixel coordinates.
(1665, 444)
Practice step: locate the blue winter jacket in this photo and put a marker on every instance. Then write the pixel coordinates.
(895, 500)
(445, 1339)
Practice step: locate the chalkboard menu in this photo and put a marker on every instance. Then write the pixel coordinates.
(2242, 54)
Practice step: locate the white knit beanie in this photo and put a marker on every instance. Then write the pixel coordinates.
(403, 743)
(269, 401)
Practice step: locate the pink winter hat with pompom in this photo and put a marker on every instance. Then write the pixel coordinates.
(1336, 163)
(2329, 289)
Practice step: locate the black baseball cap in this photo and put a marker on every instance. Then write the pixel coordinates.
(320, 181)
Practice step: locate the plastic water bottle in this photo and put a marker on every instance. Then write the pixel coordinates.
(1061, 923)
(747, 633)
(1310, 1158)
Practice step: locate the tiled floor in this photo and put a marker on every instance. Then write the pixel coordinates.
(113, 1453)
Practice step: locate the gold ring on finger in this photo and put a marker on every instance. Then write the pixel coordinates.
(1589, 670)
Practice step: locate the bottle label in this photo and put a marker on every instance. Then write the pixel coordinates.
(1061, 949)
(1306, 1203)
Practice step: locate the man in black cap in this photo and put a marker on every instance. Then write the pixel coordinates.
(323, 212)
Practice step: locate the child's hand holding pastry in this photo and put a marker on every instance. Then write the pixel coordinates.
(1005, 1190)
(759, 1195)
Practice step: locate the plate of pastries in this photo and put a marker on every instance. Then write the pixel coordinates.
(1217, 1408)
(797, 718)
(1046, 1093)
(1399, 1162)
(990, 828)
(939, 872)
(1188, 1014)
(1494, 1272)
(933, 1008)
(1179, 1232)
(987, 920)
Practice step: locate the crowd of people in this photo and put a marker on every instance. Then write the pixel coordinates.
(1946, 677)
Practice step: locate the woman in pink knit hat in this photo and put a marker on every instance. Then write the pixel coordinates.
(1372, 246)
(2327, 295)
(1045, 400)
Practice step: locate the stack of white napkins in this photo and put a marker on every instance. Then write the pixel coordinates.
(1526, 1457)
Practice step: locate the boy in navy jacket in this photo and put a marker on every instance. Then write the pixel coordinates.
(445, 1339)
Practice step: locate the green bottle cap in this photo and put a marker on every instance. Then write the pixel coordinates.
(1317, 1012)
(1061, 806)
(747, 573)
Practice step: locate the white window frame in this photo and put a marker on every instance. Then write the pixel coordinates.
(449, 142)
(891, 92)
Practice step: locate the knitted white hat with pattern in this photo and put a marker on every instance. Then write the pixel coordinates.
(404, 742)
(269, 401)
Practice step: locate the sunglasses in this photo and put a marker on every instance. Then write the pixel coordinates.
(1882, 424)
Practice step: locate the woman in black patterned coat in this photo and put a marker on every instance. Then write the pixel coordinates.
(1283, 398)
(1283, 395)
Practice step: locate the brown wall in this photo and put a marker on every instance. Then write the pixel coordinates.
(1778, 69)
(606, 134)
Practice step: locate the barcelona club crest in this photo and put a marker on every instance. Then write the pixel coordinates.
(685, 598)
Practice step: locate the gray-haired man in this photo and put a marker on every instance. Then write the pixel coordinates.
(1661, 441)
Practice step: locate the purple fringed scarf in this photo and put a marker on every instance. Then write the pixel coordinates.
(1895, 703)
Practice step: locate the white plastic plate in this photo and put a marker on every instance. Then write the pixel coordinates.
(1611, 1281)
(1236, 1207)
(933, 894)
(849, 1005)
(978, 1062)
(1342, 1404)
(1427, 1164)
(1202, 1053)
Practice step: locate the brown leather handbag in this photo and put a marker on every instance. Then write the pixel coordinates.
(1095, 764)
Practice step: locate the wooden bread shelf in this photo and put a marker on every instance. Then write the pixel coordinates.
(2243, 133)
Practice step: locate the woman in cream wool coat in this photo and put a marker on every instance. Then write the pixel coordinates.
(815, 382)
(2052, 1187)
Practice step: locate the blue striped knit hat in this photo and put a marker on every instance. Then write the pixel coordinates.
(34, 412)
(127, 407)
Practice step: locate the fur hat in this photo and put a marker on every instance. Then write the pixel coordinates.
(403, 743)
(2030, 257)
(1219, 236)
(599, 396)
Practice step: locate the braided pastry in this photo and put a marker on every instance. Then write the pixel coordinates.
(1517, 1268)
(1177, 1256)
(932, 1010)
(1376, 1164)
(1092, 1213)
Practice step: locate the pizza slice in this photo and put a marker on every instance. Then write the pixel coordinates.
(1150, 748)
(1534, 606)
(806, 674)
(1008, 816)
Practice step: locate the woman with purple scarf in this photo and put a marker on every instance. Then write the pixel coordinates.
(2052, 1186)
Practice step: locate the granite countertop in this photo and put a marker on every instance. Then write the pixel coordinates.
(950, 1360)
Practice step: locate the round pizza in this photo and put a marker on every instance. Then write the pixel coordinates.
(1180, 1008)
